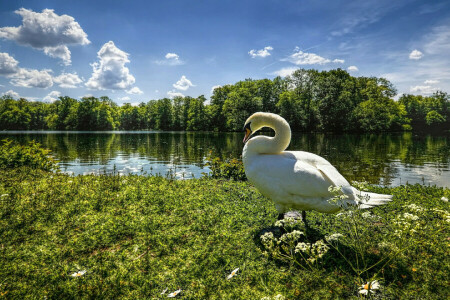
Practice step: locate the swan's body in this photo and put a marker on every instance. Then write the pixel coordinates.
(294, 179)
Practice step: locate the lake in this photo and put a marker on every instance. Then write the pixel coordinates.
(385, 159)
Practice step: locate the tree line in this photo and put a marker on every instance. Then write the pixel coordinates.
(309, 100)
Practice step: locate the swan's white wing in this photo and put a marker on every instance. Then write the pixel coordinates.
(284, 174)
(328, 170)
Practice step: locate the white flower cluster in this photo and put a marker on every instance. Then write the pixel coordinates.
(339, 196)
(415, 207)
(333, 237)
(286, 222)
(411, 217)
(314, 251)
(291, 236)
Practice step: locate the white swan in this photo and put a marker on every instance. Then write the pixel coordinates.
(294, 179)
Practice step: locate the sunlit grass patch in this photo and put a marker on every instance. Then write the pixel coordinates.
(136, 236)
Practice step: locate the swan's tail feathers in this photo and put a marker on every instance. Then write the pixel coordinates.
(369, 200)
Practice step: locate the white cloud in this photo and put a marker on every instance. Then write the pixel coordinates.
(135, 91)
(126, 98)
(430, 81)
(8, 65)
(338, 61)
(260, 53)
(172, 59)
(61, 52)
(47, 31)
(302, 58)
(213, 88)
(68, 80)
(353, 69)
(32, 78)
(285, 71)
(110, 72)
(12, 94)
(415, 55)
(423, 89)
(183, 84)
(52, 96)
(173, 94)
(24, 77)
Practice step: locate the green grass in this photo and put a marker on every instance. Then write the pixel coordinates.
(138, 235)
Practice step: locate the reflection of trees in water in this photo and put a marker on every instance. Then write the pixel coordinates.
(369, 157)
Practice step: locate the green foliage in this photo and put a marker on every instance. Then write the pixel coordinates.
(230, 168)
(135, 236)
(431, 112)
(14, 155)
(308, 99)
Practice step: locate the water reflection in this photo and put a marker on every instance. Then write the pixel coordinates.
(387, 159)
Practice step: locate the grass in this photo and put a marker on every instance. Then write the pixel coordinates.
(136, 236)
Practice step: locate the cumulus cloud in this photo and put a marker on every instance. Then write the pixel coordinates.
(423, 89)
(61, 52)
(285, 71)
(46, 31)
(68, 80)
(338, 61)
(173, 94)
(302, 58)
(353, 69)
(183, 84)
(135, 91)
(22, 77)
(260, 53)
(8, 65)
(12, 94)
(110, 71)
(52, 96)
(415, 55)
(430, 81)
(172, 59)
(32, 78)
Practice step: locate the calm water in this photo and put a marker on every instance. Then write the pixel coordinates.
(386, 159)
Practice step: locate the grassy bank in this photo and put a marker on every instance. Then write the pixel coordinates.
(135, 236)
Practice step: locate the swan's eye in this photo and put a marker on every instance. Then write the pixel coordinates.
(247, 126)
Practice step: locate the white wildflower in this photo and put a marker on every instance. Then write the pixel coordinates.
(163, 292)
(370, 287)
(445, 199)
(415, 208)
(4, 195)
(172, 295)
(409, 216)
(303, 247)
(78, 274)
(291, 236)
(334, 237)
(268, 236)
(366, 214)
(233, 273)
(279, 297)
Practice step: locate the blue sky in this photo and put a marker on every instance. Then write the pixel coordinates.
(135, 51)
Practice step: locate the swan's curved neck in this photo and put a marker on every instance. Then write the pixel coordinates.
(270, 145)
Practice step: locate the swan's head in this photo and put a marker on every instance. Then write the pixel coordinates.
(259, 120)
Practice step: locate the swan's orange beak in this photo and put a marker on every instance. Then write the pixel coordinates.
(248, 133)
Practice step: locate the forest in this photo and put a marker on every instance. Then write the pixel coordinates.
(309, 100)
